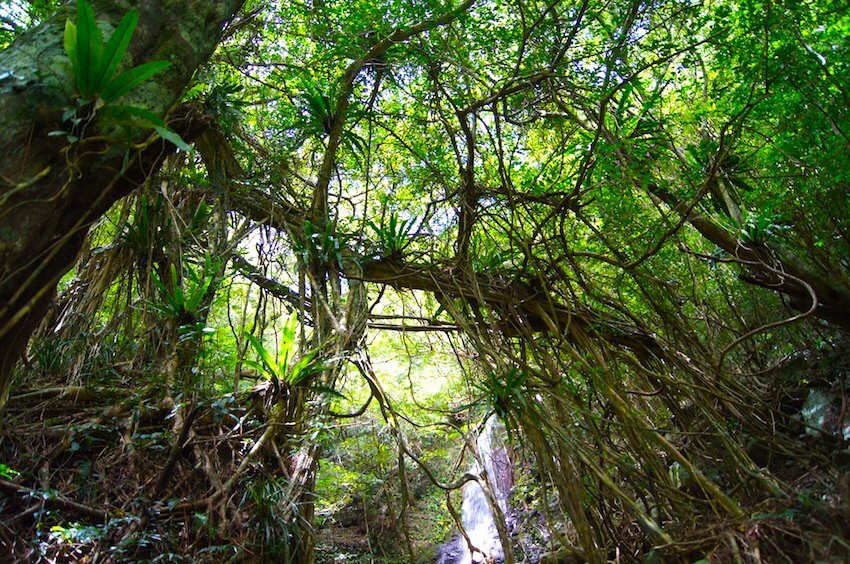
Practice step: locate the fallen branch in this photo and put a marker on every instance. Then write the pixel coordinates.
(76, 393)
(58, 501)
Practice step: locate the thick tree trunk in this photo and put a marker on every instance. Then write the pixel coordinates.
(52, 191)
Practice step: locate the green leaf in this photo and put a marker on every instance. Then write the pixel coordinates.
(325, 390)
(624, 100)
(288, 346)
(129, 79)
(158, 283)
(8, 472)
(116, 48)
(176, 298)
(256, 366)
(89, 48)
(132, 114)
(71, 46)
(357, 143)
(203, 284)
(261, 350)
(173, 138)
(303, 369)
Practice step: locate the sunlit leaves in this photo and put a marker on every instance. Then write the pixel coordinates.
(288, 367)
(393, 236)
(94, 63)
(182, 297)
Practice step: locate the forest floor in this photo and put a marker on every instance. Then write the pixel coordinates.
(87, 476)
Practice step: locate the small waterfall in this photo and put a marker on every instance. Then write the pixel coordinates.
(476, 515)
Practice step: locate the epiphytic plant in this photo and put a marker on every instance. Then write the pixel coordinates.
(292, 373)
(94, 64)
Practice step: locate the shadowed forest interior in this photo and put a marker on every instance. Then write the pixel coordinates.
(435, 281)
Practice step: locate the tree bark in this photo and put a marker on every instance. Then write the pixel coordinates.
(789, 274)
(52, 191)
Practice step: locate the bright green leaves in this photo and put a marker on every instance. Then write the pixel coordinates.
(322, 244)
(134, 115)
(71, 44)
(292, 373)
(117, 46)
(182, 298)
(759, 229)
(318, 109)
(128, 80)
(506, 394)
(172, 137)
(8, 472)
(95, 64)
(317, 115)
(393, 236)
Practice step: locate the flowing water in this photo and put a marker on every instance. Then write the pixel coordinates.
(476, 515)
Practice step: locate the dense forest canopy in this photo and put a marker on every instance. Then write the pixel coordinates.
(270, 270)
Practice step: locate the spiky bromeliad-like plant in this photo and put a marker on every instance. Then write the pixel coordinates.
(288, 370)
(94, 63)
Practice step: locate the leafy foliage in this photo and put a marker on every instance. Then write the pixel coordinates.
(291, 370)
(507, 396)
(760, 229)
(268, 498)
(636, 191)
(95, 63)
(324, 244)
(183, 297)
(393, 236)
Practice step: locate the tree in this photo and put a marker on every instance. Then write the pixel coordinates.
(54, 190)
(627, 221)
